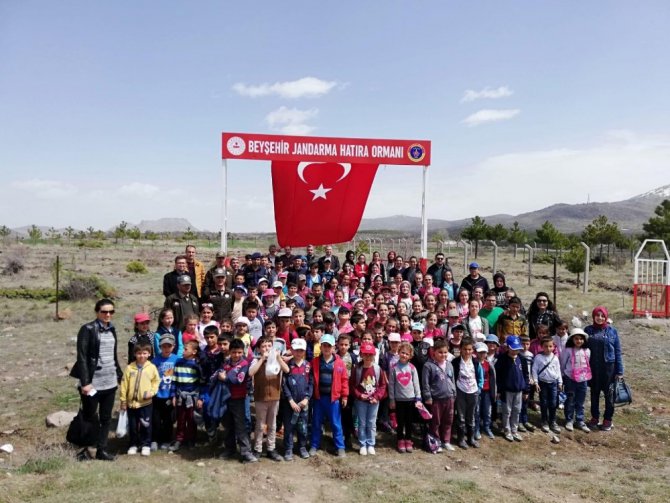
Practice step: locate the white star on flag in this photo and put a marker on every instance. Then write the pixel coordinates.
(320, 192)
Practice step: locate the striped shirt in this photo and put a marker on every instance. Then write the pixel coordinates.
(104, 377)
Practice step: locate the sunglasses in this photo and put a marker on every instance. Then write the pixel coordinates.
(107, 312)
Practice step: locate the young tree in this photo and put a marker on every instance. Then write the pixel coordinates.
(135, 234)
(120, 231)
(549, 235)
(658, 227)
(69, 233)
(34, 233)
(189, 236)
(497, 233)
(5, 232)
(574, 261)
(601, 232)
(476, 231)
(517, 236)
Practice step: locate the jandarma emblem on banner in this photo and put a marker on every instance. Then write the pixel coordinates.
(416, 152)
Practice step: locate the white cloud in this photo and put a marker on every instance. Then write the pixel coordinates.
(45, 189)
(490, 115)
(306, 87)
(136, 189)
(486, 93)
(291, 120)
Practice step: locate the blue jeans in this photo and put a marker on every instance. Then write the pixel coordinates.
(367, 422)
(548, 401)
(325, 409)
(291, 427)
(138, 433)
(483, 421)
(574, 403)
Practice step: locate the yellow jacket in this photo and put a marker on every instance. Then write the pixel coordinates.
(199, 276)
(138, 381)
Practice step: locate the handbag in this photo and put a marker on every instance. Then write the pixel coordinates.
(122, 425)
(81, 432)
(620, 393)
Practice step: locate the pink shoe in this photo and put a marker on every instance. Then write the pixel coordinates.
(409, 446)
(401, 446)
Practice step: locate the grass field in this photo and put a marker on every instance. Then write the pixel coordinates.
(625, 465)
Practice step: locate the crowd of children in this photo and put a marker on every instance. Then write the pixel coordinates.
(418, 364)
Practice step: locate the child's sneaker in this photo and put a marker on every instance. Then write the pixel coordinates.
(489, 434)
(146, 451)
(448, 447)
(593, 423)
(371, 451)
(462, 443)
(409, 446)
(583, 427)
(288, 456)
(341, 453)
(521, 428)
(517, 437)
(568, 426)
(164, 446)
(132, 450)
(154, 446)
(529, 427)
(555, 428)
(176, 445)
(509, 437)
(607, 425)
(478, 436)
(313, 451)
(249, 458)
(545, 428)
(274, 455)
(363, 451)
(227, 454)
(303, 453)
(401, 446)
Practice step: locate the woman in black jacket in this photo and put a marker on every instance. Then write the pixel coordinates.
(99, 373)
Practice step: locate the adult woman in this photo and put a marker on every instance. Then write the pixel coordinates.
(99, 374)
(417, 284)
(405, 295)
(606, 366)
(350, 257)
(331, 288)
(542, 312)
(373, 270)
(428, 287)
(377, 259)
(449, 284)
(390, 260)
(377, 283)
(361, 267)
(443, 299)
(500, 288)
(463, 304)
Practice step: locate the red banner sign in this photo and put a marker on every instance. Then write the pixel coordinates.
(265, 147)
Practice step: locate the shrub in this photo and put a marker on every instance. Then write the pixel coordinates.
(13, 265)
(81, 287)
(137, 266)
(90, 243)
(30, 293)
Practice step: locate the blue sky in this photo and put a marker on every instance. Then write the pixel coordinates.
(113, 111)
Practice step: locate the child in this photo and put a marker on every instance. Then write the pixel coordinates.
(457, 332)
(297, 389)
(350, 359)
(561, 337)
(493, 345)
(404, 328)
(242, 333)
(234, 372)
(211, 359)
(255, 323)
(369, 385)
(186, 394)
(432, 331)
(270, 328)
(331, 388)
(548, 382)
(512, 322)
(511, 384)
(138, 386)
(206, 314)
(267, 391)
(190, 332)
(162, 402)
(166, 326)
(314, 345)
(469, 379)
(404, 393)
(142, 335)
(439, 393)
(576, 374)
(526, 357)
(487, 396)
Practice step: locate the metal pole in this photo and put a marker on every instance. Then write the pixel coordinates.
(57, 284)
(555, 279)
(224, 207)
(424, 219)
(530, 263)
(587, 262)
(465, 257)
(495, 256)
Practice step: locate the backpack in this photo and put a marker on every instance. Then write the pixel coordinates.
(430, 443)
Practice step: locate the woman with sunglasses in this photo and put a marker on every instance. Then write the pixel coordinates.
(99, 374)
(542, 312)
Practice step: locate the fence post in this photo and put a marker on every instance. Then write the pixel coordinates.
(530, 263)
(495, 256)
(587, 262)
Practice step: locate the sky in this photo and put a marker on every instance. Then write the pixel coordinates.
(113, 111)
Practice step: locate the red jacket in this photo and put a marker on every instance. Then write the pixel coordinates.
(340, 386)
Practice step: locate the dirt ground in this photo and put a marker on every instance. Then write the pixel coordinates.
(628, 464)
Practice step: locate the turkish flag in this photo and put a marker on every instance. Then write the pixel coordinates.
(319, 203)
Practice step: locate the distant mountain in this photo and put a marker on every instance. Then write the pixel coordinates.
(165, 225)
(630, 214)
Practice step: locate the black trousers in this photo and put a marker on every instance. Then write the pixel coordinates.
(102, 403)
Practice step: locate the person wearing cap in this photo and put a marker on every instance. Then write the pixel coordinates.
(511, 385)
(297, 390)
(331, 392)
(165, 360)
(255, 271)
(474, 279)
(284, 329)
(219, 296)
(183, 303)
(269, 308)
(493, 346)
(220, 266)
(170, 279)
(295, 270)
(327, 273)
(606, 365)
(576, 375)
(368, 383)
(487, 396)
(142, 334)
(334, 261)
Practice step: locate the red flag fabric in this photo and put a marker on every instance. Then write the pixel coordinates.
(319, 203)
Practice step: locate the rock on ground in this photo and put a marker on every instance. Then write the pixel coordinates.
(60, 419)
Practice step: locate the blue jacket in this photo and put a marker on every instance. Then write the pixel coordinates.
(165, 368)
(298, 384)
(605, 348)
(509, 375)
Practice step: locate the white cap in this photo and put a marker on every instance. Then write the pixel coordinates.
(285, 312)
(243, 319)
(394, 337)
(298, 343)
(480, 346)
